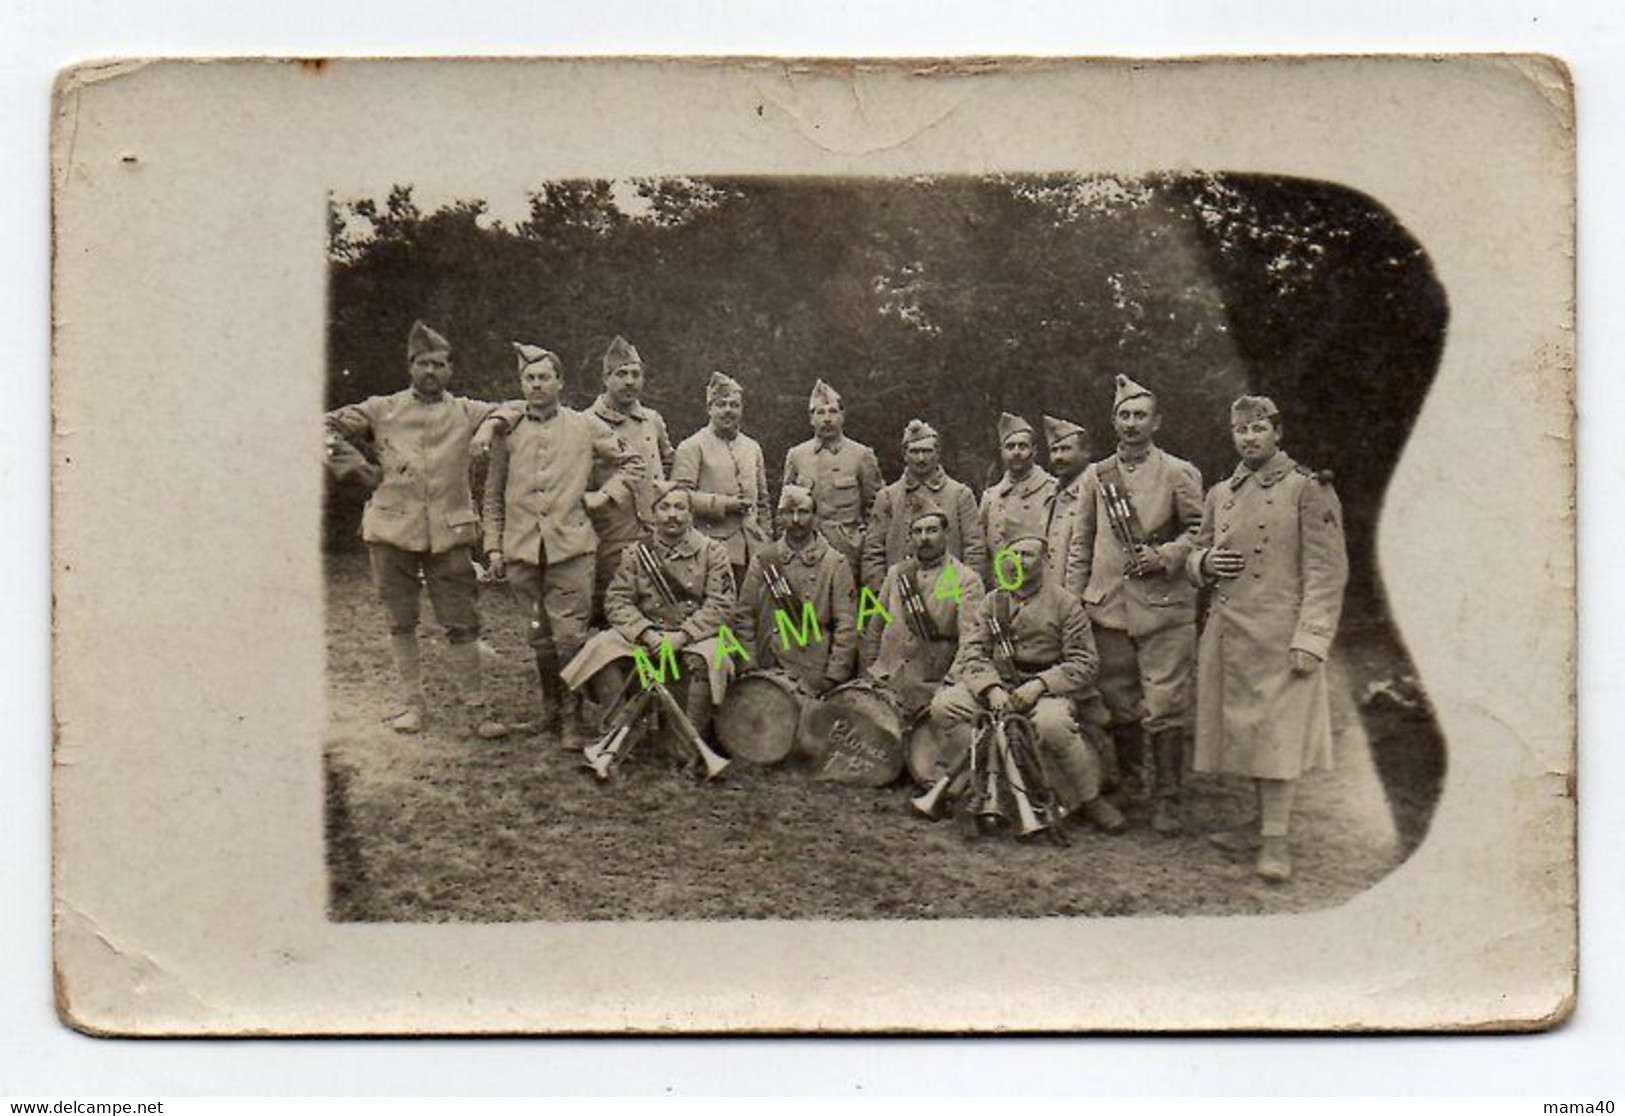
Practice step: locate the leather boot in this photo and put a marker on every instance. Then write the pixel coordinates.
(1131, 765)
(471, 687)
(1168, 748)
(403, 647)
(551, 722)
(1274, 860)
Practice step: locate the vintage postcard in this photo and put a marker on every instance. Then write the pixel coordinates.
(760, 545)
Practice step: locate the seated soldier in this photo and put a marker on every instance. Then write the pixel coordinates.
(786, 577)
(929, 597)
(672, 591)
(1028, 650)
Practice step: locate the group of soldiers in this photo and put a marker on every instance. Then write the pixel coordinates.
(1067, 595)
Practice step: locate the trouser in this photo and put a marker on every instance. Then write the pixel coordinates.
(604, 567)
(453, 592)
(1275, 806)
(1063, 749)
(453, 589)
(557, 601)
(1148, 679)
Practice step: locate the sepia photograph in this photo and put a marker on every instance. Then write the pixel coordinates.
(692, 546)
(829, 436)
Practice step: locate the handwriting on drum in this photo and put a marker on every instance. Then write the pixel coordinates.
(850, 752)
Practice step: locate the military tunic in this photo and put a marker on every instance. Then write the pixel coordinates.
(886, 542)
(911, 666)
(1145, 627)
(1053, 643)
(423, 502)
(1011, 509)
(714, 468)
(536, 516)
(817, 574)
(1254, 716)
(844, 477)
(642, 431)
(420, 519)
(1063, 521)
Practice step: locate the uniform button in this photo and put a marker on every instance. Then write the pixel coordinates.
(1229, 504)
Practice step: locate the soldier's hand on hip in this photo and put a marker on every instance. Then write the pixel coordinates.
(1303, 662)
(1145, 561)
(1223, 562)
(479, 446)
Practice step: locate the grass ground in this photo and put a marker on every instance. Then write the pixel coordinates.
(441, 828)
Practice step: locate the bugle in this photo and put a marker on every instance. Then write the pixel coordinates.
(714, 762)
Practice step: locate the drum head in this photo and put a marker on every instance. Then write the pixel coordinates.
(930, 752)
(759, 718)
(855, 735)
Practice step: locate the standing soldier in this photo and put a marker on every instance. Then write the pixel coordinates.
(799, 575)
(1136, 522)
(1271, 545)
(924, 484)
(537, 528)
(1051, 660)
(1068, 456)
(642, 431)
(1020, 502)
(420, 521)
(723, 467)
(844, 475)
(930, 597)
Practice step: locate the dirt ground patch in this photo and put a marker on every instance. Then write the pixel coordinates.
(441, 828)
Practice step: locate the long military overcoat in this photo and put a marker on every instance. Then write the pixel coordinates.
(1254, 716)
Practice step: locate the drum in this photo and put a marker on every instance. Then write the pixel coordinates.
(855, 735)
(760, 718)
(929, 751)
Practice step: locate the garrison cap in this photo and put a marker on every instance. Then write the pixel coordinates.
(822, 394)
(794, 494)
(535, 354)
(1057, 428)
(423, 340)
(620, 354)
(919, 431)
(722, 385)
(1251, 408)
(1127, 389)
(660, 489)
(929, 511)
(1012, 424)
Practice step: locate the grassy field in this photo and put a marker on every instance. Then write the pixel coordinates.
(441, 828)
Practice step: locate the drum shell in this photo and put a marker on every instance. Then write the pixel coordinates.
(928, 750)
(760, 720)
(854, 734)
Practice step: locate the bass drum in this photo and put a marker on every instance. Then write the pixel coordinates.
(760, 717)
(854, 735)
(929, 751)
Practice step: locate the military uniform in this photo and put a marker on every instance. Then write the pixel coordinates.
(420, 519)
(1053, 642)
(621, 522)
(844, 477)
(701, 576)
(818, 574)
(912, 661)
(899, 502)
(1145, 625)
(1253, 715)
(641, 430)
(1012, 509)
(535, 515)
(714, 468)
